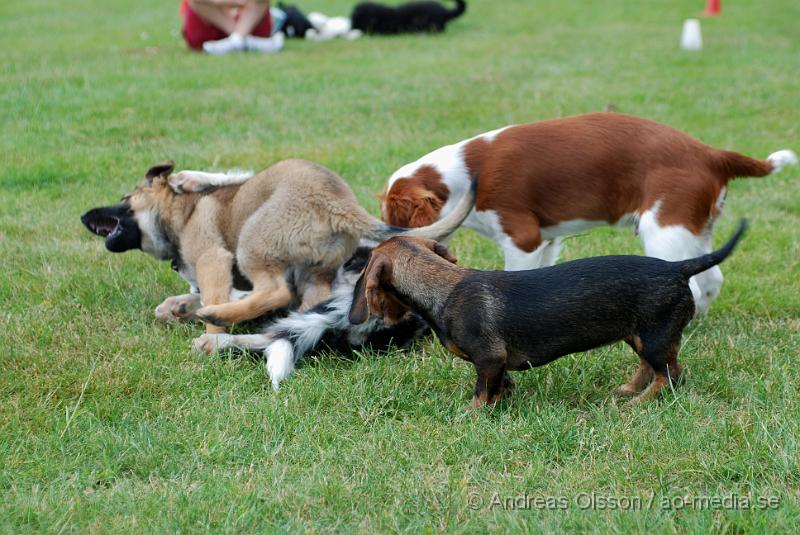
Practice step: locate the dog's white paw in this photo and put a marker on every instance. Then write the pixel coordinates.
(211, 343)
(280, 361)
(352, 35)
(313, 35)
(781, 159)
(178, 308)
(187, 182)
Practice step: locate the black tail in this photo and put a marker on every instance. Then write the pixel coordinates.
(693, 266)
(461, 7)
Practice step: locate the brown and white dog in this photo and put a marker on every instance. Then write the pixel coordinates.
(545, 180)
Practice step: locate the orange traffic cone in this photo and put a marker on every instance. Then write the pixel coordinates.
(713, 8)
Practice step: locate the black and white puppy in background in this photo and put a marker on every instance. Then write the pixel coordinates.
(296, 24)
(285, 341)
(373, 18)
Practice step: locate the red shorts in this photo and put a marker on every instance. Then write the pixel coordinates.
(197, 31)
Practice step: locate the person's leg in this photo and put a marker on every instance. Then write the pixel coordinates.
(251, 16)
(198, 30)
(260, 38)
(253, 21)
(219, 16)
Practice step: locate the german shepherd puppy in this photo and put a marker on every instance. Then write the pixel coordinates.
(294, 222)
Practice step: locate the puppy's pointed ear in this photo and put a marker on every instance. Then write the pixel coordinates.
(367, 299)
(159, 169)
(442, 251)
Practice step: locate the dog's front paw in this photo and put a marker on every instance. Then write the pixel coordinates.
(627, 390)
(211, 343)
(210, 314)
(186, 182)
(178, 308)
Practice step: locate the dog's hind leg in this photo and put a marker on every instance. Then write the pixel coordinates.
(493, 380)
(643, 374)
(667, 371)
(490, 385)
(660, 350)
(550, 253)
(270, 291)
(678, 227)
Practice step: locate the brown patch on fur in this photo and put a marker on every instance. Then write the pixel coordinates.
(596, 167)
(635, 342)
(688, 200)
(475, 154)
(483, 399)
(672, 375)
(480, 400)
(640, 378)
(415, 201)
(453, 348)
(651, 392)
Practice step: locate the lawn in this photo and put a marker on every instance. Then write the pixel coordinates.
(110, 424)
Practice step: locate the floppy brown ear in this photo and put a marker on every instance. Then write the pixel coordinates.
(427, 208)
(366, 295)
(160, 169)
(397, 210)
(358, 309)
(442, 251)
(411, 206)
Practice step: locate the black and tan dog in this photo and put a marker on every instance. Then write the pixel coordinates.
(294, 220)
(502, 321)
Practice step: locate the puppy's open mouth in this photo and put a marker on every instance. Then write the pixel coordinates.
(105, 226)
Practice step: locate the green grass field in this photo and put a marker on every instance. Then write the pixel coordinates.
(109, 423)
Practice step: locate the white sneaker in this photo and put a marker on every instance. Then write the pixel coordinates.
(232, 43)
(264, 44)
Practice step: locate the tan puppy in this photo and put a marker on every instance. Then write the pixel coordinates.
(291, 225)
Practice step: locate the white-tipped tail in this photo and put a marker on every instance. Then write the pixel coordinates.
(781, 159)
(280, 361)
